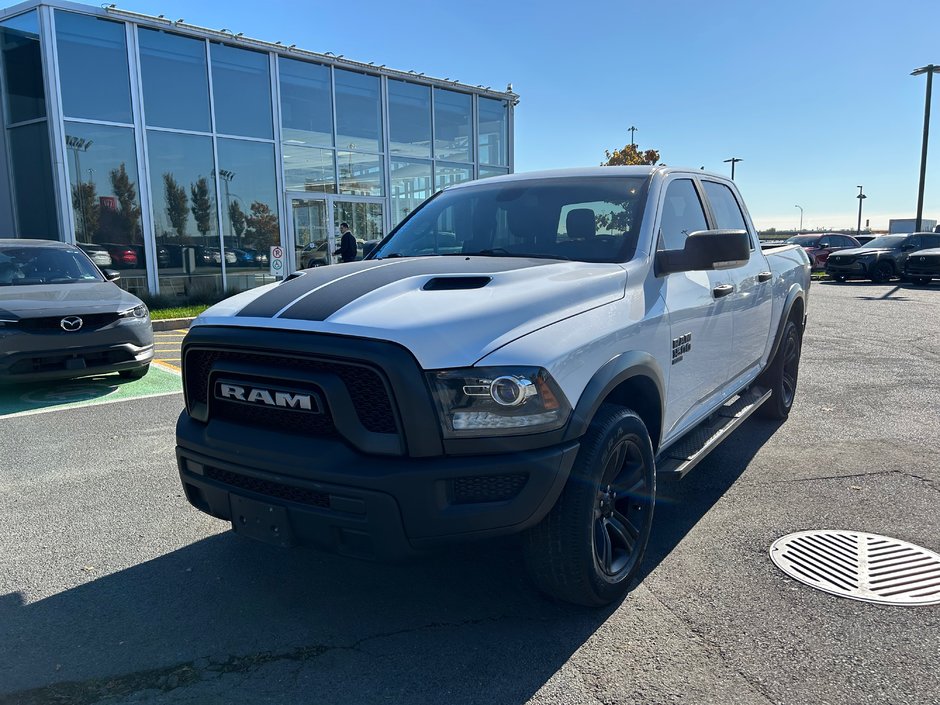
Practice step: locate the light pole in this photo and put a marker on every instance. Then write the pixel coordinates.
(733, 160)
(227, 177)
(631, 131)
(861, 197)
(801, 217)
(930, 70)
(79, 145)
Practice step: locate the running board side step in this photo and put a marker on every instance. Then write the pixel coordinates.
(683, 455)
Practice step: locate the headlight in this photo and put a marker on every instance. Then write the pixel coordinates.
(866, 255)
(136, 312)
(488, 401)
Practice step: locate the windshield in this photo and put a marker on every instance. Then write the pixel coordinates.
(594, 219)
(886, 241)
(22, 266)
(803, 240)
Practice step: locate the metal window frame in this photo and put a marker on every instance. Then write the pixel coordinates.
(56, 117)
(143, 162)
(220, 227)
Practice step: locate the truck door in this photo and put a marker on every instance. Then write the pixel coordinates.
(751, 300)
(698, 310)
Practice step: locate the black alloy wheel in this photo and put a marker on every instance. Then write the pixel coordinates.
(882, 271)
(782, 374)
(589, 547)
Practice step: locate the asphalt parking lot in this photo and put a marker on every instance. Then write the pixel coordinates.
(112, 589)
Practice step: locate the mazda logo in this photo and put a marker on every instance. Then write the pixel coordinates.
(71, 323)
(921, 259)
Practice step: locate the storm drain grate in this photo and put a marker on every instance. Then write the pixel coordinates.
(860, 566)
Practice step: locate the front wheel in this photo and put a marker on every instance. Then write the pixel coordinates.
(782, 374)
(590, 546)
(882, 271)
(138, 373)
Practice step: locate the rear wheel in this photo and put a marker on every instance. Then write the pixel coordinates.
(590, 546)
(138, 373)
(882, 271)
(782, 374)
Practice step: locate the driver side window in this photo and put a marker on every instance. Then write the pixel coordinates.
(682, 213)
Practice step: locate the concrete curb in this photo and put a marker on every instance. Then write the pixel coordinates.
(172, 323)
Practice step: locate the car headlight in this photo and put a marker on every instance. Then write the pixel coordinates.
(487, 401)
(136, 312)
(867, 255)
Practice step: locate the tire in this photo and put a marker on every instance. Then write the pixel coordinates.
(920, 281)
(882, 271)
(589, 547)
(782, 374)
(138, 373)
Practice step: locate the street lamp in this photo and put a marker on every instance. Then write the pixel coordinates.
(801, 217)
(632, 130)
(930, 70)
(861, 197)
(733, 160)
(79, 145)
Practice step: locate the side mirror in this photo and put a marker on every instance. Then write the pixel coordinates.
(908, 246)
(111, 275)
(706, 249)
(824, 244)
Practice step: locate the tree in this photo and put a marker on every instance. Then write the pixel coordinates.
(126, 193)
(177, 204)
(236, 217)
(85, 205)
(202, 206)
(262, 225)
(629, 156)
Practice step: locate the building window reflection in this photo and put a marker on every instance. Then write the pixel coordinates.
(103, 190)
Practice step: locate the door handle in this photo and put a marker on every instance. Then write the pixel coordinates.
(722, 290)
(764, 276)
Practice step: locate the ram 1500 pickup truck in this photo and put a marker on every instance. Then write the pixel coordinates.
(521, 354)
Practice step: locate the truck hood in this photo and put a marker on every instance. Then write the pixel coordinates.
(448, 311)
(64, 299)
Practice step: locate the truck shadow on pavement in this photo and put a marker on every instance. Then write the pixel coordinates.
(462, 626)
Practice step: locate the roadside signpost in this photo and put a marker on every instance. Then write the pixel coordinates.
(276, 261)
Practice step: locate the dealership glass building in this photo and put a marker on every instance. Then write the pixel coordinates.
(180, 155)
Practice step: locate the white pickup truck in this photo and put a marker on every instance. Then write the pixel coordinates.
(521, 354)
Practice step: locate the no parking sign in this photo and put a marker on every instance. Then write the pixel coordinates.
(277, 261)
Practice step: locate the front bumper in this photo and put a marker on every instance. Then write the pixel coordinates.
(35, 357)
(854, 269)
(325, 494)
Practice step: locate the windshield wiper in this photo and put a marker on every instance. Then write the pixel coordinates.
(500, 252)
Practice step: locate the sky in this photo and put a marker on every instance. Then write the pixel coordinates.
(815, 97)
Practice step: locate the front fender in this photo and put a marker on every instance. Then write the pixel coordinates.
(619, 369)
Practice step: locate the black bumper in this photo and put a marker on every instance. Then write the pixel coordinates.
(325, 494)
(68, 363)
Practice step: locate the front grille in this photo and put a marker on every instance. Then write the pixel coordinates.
(54, 363)
(52, 324)
(487, 488)
(284, 420)
(270, 489)
(366, 388)
(842, 259)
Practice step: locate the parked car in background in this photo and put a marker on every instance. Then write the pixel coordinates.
(818, 247)
(123, 256)
(880, 259)
(922, 266)
(315, 254)
(61, 317)
(96, 253)
(248, 258)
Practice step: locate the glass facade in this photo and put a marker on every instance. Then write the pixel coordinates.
(188, 155)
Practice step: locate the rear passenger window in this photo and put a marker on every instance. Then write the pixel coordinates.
(724, 206)
(682, 214)
(931, 241)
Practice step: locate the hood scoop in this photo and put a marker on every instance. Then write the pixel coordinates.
(456, 283)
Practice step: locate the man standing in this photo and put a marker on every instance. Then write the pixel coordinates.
(347, 245)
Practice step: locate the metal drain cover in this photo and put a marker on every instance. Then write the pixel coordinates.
(861, 566)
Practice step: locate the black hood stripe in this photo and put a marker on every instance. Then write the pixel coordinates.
(267, 305)
(323, 303)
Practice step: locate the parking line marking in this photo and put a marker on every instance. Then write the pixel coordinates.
(168, 365)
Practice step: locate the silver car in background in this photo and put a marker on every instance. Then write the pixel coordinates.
(62, 317)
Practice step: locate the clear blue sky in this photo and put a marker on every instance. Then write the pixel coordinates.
(814, 96)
